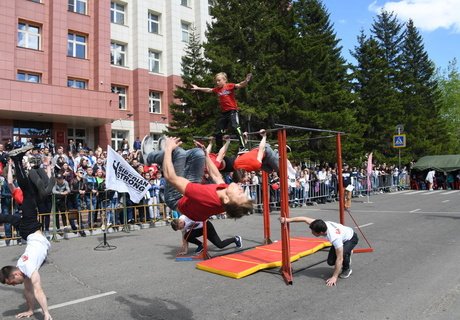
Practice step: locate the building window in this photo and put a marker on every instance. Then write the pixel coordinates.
(76, 45)
(184, 3)
(185, 31)
(29, 77)
(117, 13)
(154, 102)
(28, 35)
(121, 96)
(154, 23)
(154, 61)
(77, 83)
(78, 136)
(117, 138)
(37, 1)
(77, 6)
(118, 54)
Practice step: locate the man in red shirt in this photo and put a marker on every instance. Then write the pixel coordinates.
(183, 171)
(228, 105)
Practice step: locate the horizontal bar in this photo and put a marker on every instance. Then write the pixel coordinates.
(266, 130)
(284, 126)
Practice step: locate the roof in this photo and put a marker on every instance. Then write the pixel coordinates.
(440, 163)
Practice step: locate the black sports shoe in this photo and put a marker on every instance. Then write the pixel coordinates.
(199, 249)
(238, 242)
(346, 273)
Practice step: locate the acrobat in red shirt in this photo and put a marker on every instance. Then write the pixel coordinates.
(226, 96)
(200, 201)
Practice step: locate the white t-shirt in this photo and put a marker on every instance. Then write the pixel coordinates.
(36, 252)
(337, 233)
(430, 176)
(190, 224)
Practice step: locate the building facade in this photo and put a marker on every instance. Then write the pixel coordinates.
(95, 71)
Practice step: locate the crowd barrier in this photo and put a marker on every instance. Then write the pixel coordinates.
(314, 192)
(107, 215)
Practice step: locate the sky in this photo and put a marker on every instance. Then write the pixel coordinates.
(438, 22)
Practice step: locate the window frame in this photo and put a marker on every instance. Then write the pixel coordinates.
(27, 34)
(75, 6)
(77, 80)
(116, 52)
(75, 43)
(115, 12)
(27, 76)
(185, 33)
(154, 101)
(154, 61)
(122, 97)
(151, 21)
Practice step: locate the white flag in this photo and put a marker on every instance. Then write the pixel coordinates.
(122, 177)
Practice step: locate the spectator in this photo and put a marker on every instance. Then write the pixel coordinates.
(61, 190)
(17, 143)
(137, 144)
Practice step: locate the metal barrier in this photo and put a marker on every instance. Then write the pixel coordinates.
(60, 222)
(313, 192)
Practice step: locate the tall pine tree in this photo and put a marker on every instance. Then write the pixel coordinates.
(420, 96)
(193, 113)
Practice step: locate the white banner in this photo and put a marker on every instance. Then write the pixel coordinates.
(122, 177)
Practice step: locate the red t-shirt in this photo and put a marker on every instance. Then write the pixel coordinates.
(218, 164)
(18, 196)
(248, 161)
(200, 201)
(226, 95)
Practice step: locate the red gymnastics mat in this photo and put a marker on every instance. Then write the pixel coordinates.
(242, 264)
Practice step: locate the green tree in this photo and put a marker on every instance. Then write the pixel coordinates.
(420, 96)
(375, 95)
(193, 114)
(378, 83)
(449, 84)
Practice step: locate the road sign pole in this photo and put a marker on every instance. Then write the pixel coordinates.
(399, 151)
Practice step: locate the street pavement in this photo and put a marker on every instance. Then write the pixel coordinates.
(413, 272)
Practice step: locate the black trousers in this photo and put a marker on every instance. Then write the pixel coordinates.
(228, 119)
(28, 223)
(347, 248)
(192, 235)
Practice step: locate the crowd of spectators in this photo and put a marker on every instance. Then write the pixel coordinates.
(82, 200)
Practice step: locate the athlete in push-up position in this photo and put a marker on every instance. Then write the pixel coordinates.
(26, 269)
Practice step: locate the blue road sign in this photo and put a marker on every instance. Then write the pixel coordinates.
(399, 141)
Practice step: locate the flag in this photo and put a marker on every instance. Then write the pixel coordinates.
(122, 177)
(369, 172)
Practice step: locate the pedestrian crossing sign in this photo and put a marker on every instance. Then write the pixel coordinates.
(399, 141)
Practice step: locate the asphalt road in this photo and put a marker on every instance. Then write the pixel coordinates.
(413, 273)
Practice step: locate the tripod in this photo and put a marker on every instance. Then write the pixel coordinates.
(104, 245)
